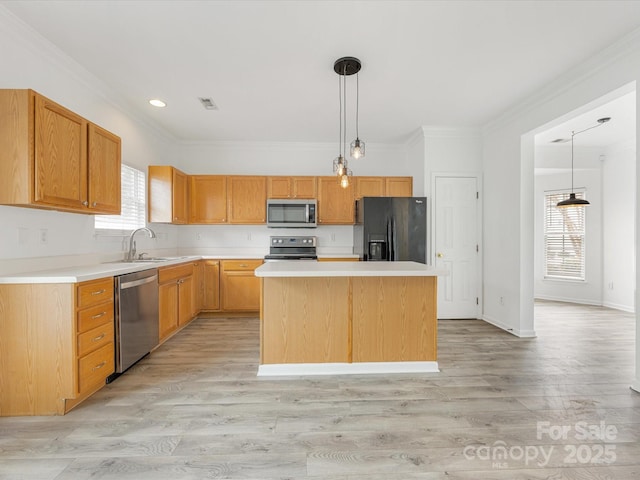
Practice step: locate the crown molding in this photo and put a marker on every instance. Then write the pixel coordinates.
(51, 54)
(628, 45)
(429, 131)
(290, 146)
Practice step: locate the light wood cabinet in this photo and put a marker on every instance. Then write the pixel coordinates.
(175, 298)
(208, 199)
(383, 187)
(198, 287)
(335, 204)
(247, 199)
(398, 186)
(58, 345)
(369, 187)
(240, 288)
(291, 187)
(104, 170)
(167, 195)
(50, 157)
(211, 281)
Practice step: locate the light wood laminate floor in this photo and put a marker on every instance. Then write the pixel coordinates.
(195, 409)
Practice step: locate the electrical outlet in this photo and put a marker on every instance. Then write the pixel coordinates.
(248, 236)
(198, 236)
(44, 236)
(333, 237)
(502, 301)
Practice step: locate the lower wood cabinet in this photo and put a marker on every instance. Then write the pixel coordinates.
(57, 345)
(240, 288)
(175, 298)
(211, 285)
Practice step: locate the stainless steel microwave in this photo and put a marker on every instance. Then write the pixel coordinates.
(291, 213)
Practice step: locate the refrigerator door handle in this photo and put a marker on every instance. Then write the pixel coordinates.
(394, 239)
(389, 241)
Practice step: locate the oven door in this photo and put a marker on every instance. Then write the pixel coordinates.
(291, 213)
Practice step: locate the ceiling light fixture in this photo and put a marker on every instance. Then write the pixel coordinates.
(157, 103)
(572, 201)
(344, 67)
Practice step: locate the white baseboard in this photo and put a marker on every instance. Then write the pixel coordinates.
(507, 328)
(636, 386)
(282, 369)
(617, 306)
(580, 301)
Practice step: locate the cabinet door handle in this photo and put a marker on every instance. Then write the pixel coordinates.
(99, 337)
(85, 203)
(99, 292)
(94, 204)
(98, 315)
(99, 366)
(244, 265)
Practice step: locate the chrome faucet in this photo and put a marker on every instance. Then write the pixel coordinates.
(131, 254)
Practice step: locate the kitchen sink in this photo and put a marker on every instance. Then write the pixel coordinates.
(149, 259)
(157, 259)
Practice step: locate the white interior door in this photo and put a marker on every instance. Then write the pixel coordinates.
(456, 246)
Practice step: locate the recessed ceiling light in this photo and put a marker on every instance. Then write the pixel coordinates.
(157, 103)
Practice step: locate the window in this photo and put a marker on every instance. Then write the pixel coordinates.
(564, 238)
(134, 204)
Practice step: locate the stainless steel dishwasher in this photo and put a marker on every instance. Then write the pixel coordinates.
(136, 321)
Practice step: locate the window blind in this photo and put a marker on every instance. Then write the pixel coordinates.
(134, 203)
(564, 238)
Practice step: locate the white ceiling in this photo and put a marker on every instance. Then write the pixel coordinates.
(269, 64)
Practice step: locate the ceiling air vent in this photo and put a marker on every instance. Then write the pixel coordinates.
(208, 103)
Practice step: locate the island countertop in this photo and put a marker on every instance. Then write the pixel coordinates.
(299, 268)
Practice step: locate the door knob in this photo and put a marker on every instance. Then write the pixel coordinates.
(439, 255)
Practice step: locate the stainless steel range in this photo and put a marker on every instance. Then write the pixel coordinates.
(292, 248)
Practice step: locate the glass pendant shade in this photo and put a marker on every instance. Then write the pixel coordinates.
(344, 180)
(339, 165)
(357, 148)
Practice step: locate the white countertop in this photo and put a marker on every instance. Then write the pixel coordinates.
(88, 272)
(347, 269)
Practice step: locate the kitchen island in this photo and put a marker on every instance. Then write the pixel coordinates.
(356, 317)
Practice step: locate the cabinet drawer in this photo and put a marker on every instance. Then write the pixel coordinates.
(93, 316)
(240, 265)
(95, 338)
(95, 367)
(167, 274)
(94, 292)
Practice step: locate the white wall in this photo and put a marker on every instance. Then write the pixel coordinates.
(589, 291)
(29, 61)
(508, 179)
(619, 191)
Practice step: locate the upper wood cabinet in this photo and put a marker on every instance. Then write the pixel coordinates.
(291, 187)
(104, 177)
(383, 187)
(369, 187)
(208, 199)
(335, 204)
(398, 186)
(53, 158)
(167, 195)
(247, 199)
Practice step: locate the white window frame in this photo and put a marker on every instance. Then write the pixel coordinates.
(133, 213)
(564, 230)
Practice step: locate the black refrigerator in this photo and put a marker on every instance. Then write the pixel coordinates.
(391, 229)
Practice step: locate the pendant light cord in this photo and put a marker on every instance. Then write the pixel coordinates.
(344, 92)
(357, 103)
(601, 122)
(340, 123)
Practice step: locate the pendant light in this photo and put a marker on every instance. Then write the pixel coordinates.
(572, 201)
(344, 67)
(357, 146)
